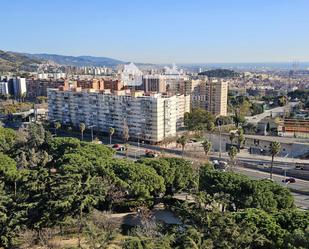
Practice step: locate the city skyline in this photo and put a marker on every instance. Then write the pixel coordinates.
(160, 32)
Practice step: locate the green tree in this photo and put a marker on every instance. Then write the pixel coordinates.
(250, 128)
(241, 192)
(177, 173)
(22, 161)
(57, 126)
(125, 132)
(282, 100)
(5, 236)
(239, 119)
(224, 120)
(111, 132)
(141, 181)
(256, 109)
(233, 151)
(275, 148)
(199, 119)
(36, 135)
(206, 146)
(182, 141)
(82, 128)
(232, 137)
(7, 139)
(240, 138)
(8, 170)
(41, 99)
(267, 233)
(126, 149)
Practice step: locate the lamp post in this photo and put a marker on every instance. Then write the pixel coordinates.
(91, 128)
(219, 125)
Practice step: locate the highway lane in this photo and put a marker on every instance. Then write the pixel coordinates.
(135, 152)
(301, 200)
(271, 112)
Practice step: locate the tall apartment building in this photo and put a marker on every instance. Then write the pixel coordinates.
(209, 94)
(19, 86)
(216, 96)
(154, 83)
(4, 88)
(150, 117)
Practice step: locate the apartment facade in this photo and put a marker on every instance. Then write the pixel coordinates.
(209, 94)
(216, 96)
(154, 83)
(38, 87)
(4, 88)
(19, 86)
(149, 117)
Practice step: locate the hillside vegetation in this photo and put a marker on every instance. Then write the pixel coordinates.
(14, 62)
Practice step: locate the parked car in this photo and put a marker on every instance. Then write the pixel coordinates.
(220, 165)
(149, 153)
(299, 167)
(289, 180)
(118, 147)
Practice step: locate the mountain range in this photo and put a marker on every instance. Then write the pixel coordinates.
(14, 61)
(78, 61)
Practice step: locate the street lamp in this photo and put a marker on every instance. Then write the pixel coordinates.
(53, 122)
(219, 125)
(91, 128)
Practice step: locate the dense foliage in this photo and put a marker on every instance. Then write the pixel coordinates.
(220, 73)
(301, 95)
(49, 182)
(199, 119)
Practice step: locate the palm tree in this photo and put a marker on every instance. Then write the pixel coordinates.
(232, 153)
(232, 137)
(275, 148)
(23, 96)
(126, 149)
(111, 132)
(69, 128)
(125, 134)
(240, 137)
(57, 126)
(182, 141)
(206, 146)
(82, 128)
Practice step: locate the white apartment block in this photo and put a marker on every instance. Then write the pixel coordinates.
(151, 117)
(4, 88)
(19, 85)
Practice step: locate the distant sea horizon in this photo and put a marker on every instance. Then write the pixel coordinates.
(263, 66)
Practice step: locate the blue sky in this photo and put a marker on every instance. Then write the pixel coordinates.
(160, 31)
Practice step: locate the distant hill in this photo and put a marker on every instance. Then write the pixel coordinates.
(220, 73)
(78, 60)
(14, 62)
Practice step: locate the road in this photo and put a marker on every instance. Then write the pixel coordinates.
(301, 200)
(267, 113)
